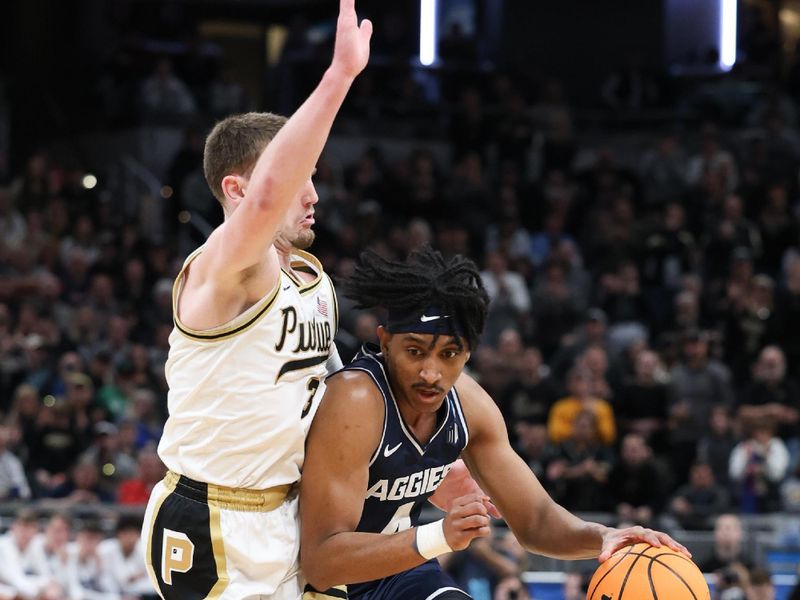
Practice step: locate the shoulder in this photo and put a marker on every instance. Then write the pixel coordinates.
(478, 406)
(354, 392)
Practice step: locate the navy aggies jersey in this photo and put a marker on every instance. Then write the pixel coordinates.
(403, 473)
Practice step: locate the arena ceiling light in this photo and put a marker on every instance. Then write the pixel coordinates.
(727, 34)
(427, 32)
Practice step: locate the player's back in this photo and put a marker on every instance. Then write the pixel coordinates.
(404, 473)
(240, 395)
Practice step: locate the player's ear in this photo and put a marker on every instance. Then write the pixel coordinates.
(234, 186)
(383, 337)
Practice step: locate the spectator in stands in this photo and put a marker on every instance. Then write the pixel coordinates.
(508, 295)
(555, 307)
(595, 359)
(13, 482)
(695, 503)
(146, 414)
(729, 229)
(561, 421)
(113, 464)
(576, 585)
(663, 171)
(531, 393)
(761, 586)
(758, 465)
(636, 483)
(577, 475)
(165, 98)
(593, 331)
(787, 316)
(82, 487)
(533, 446)
(712, 159)
(512, 588)
(123, 556)
(777, 228)
(771, 395)
(698, 383)
(728, 545)
(715, 447)
(486, 563)
(89, 577)
(15, 561)
(150, 471)
(12, 225)
(47, 557)
(54, 447)
(642, 405)
(747, 324)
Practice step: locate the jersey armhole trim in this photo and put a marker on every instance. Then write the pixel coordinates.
(377, 451)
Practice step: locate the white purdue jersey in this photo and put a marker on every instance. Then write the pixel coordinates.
(242, 395)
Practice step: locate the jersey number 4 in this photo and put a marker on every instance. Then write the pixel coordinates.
(401, 519)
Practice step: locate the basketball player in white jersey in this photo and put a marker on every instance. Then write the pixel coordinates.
(253, 331)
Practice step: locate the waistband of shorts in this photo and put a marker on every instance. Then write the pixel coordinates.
(227, 498)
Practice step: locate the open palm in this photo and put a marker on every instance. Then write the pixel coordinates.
(352, 41)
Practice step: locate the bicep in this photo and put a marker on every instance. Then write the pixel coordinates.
(500, 471)
(340, 443)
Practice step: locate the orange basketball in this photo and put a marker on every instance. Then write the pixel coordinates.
(644, 572)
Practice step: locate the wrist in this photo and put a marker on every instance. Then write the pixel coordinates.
(339, 76)
(430, 540)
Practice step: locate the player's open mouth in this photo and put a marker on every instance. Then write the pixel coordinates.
(308, 220)
(427, 394)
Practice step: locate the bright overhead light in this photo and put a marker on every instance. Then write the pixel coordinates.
(89, 181)
(427, 32)
(727, 34)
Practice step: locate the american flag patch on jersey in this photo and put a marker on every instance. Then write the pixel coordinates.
(322, 307)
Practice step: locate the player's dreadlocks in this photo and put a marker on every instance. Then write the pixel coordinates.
(424, 279)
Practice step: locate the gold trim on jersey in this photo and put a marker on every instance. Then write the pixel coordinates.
(240, 499)
(313, 261)
(169, 487)
(336, 593)
(218, 547)
(335, 303)
(230, 328)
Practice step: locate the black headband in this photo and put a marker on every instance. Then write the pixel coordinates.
(432, 320)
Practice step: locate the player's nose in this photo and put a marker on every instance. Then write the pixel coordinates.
(311, 197)
(430, 374)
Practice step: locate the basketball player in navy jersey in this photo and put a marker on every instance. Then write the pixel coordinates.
(388, 429)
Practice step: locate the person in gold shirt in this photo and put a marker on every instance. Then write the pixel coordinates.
(561, 420)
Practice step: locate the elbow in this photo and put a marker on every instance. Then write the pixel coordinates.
(315, 572)
(263, 194)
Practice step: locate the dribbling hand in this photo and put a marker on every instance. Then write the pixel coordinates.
(467, 519)
(351, 52)
(614, 539)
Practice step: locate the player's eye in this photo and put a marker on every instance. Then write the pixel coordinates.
(450, 354)
(414, 351)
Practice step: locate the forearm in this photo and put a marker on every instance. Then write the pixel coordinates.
(289, 160)
(352, 557)
(560, 534)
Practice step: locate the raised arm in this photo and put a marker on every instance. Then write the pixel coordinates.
(540, 524)
(343, 437)
(289, 159)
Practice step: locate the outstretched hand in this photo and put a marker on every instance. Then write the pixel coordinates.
(615, 539)
(351, 52)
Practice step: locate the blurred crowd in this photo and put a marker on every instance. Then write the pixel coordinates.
(50, 563)
(641, 342)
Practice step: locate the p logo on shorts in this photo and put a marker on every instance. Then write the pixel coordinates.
(177, 554)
